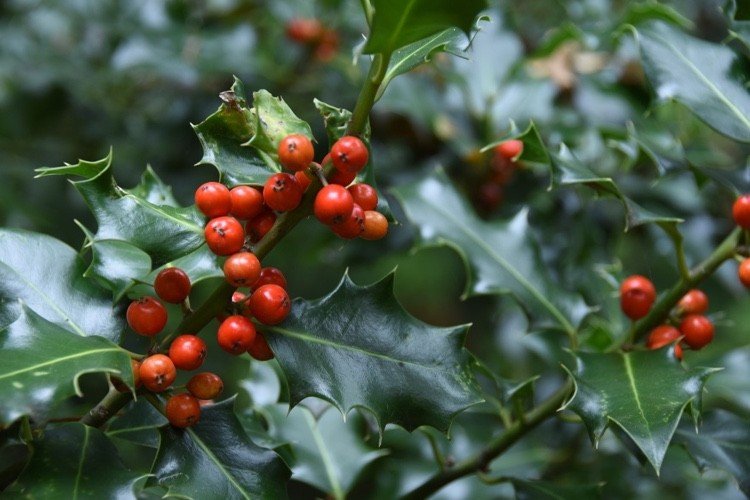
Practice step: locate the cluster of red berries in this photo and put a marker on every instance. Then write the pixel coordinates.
(502, 167)
(741, 214)
(687, 321)
(323, 41)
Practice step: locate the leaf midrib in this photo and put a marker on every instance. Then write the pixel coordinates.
(338, 493)
(60, 360)
(154, 208)
(636, 395)
(393, 69)
(81, 461)
(218, 463)
(400, 26)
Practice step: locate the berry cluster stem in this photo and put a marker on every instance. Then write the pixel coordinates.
(496, 447)
(113, 402)
(662, 308)
(366, 99)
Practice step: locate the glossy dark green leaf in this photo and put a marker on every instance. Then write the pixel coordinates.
(164, 232)
(327, 452)
(567, 170)
(222, 136)
(545, 490)
(154, 190)
(722, 441)
(75, 461)
(139, 424)
(703, 76)
(216, 459)
(405, 59)
(47, 275)
(501, 257)
(644, 393)
(115, 264)
(534, 150)
(272, 120)
(40, 362)
(358, 347)
(397, 23)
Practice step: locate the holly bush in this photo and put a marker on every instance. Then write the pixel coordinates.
(527, 276)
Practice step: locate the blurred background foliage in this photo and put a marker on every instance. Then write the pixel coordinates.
(80, 76)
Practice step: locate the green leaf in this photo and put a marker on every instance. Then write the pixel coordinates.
(154, 190)
(327, 453)
(567, 170)
(115, 264)
(273, 120)
(47, 275)
(75, 461)
(164, 232)
(544, 490)
(403, 60)
(703, 76)
(40, 362)
(501, 257)
(336, 121)
(222, 136)
(358, 347)
(723, 442)
(642, 392)
(397, 23)
(138, 424)
(215, 458)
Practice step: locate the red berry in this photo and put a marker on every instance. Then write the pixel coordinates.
(260, 225)
(236, 298)
(224, 235)
(302, 179)
(135, 368)
(511, 149)
(637, 295)
(304, 30)
(352, 227)
(364, 195)
(282, 192)
(376, 226)
(236, 334)
(270, 304)
(296, 152)
(242, 269)
(172, 285)
(741, 211)
(743, 272)
(183, 410)
(341, 178)
(349, 154)
(146, 316)
(697, 330)
(205, 385)
(213, 199)
(259, 349)
(490, 195)
(270, 276)
(187, 352)
(247, 202)
(327, 46)
(693, 302)
(157, 372)
(663, 335)
(333, 205)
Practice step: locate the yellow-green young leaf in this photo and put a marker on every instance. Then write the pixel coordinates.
(358, 347)
(46, 274)
(701, 75)
(397, 23)
(642, 392)
(164, 232)
(75, 461)
(501, 257)
(272, 120)
(326, 452)
(40, 362)
(216, 459)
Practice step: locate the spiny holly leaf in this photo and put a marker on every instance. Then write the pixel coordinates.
(327, 453)
(40, 362)
(534, 150)
(115, 264)
(216, 459)
(642, 392)
(164, 232)
(724, 442)
(139, 423)
(358, 347)
(701, 75)
(656, 142)
(154, 190)
(397, 23)
(544, 490)
(273, 120)
(567, 170)
(501, 257)
(403, 60)
(47, 275)
(75, 461)
(222, 136)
